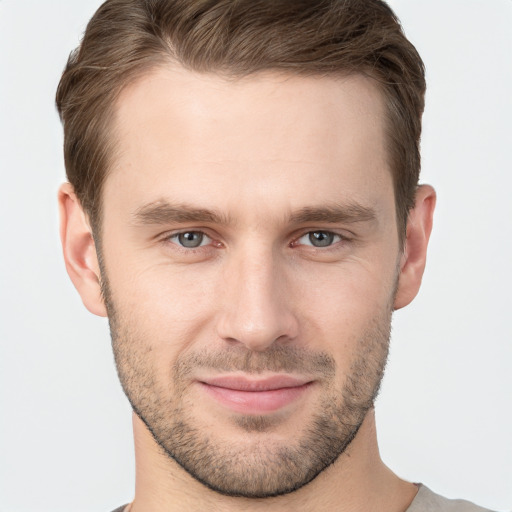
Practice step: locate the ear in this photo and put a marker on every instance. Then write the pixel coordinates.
(412, 264)
(79, 250)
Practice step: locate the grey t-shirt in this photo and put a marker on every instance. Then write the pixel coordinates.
(426, 501)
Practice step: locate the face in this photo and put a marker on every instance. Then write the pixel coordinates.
(250, 257)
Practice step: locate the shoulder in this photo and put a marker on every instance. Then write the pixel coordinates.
(428, 501)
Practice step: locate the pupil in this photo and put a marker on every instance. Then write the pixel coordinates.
(190, 239)
(321, 238)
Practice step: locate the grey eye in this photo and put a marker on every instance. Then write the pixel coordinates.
(190, 239)
(321, 238)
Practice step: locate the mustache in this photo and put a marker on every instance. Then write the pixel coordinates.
(278, 359)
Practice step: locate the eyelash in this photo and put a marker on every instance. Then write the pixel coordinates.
(330, 234)
(168, 239)
(216, 244)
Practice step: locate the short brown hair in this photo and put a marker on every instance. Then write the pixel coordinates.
(126, 38)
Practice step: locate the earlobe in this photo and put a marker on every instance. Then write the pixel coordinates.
(412, 265)
(79, 251)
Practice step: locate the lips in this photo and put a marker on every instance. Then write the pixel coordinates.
(255, 396)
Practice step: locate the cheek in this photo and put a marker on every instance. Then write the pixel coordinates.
(344, 309)
(348, 293)
(156, 322)
(168, 307)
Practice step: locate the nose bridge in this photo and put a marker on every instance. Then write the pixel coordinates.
(255, 309)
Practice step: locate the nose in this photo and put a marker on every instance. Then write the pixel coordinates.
(256, 302)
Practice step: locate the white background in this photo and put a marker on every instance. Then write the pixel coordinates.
(444, 415)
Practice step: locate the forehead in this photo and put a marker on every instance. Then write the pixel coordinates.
(263, 106)
(178, 131)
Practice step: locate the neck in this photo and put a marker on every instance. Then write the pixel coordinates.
(357, 481)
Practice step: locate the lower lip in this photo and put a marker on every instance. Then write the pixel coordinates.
(255, 402)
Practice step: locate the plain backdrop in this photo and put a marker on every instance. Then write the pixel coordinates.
(444, 414)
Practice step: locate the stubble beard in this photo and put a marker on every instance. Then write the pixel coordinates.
(260, 468)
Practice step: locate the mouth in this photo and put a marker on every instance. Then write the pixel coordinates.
(255, 396)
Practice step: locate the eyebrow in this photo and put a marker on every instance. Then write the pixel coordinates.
(346, 213)
(163, 212)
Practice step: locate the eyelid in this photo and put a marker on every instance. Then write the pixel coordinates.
(205, 239)
(169, 235)
(175, 232)
(341, 238)
(167, 238)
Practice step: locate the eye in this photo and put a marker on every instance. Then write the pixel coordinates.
(190, 239)
(319, 239)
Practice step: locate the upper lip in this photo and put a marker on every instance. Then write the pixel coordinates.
(245, 383)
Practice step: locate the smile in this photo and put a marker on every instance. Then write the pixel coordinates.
(255, 396)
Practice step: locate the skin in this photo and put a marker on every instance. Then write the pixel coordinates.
(275, 157)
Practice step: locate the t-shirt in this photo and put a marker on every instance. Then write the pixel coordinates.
(426, 501)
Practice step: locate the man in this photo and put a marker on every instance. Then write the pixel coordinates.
(243, 204)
